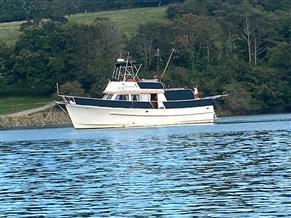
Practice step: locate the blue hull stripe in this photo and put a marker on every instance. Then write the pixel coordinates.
(189, 103)
(142, 105)
(112, 103)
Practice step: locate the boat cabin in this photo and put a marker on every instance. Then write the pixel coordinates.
(127, 90)
(144, 91)
(151, 91)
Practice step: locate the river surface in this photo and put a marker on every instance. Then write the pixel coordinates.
(240, 167)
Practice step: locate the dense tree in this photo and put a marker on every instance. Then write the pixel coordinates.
(73, 88)
(152, 45)
(94, 50)
(5, 65)
(14, 10)
(240, 97)
(40, 58)
(11, 10)
(253, 32)
(280, 60)
(52, 52)
(273, 5)
(197, 39)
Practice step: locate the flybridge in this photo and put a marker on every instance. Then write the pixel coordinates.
(125, 78)
(125, 70)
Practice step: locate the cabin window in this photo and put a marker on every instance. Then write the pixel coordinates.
(122, 97)
(107, 97)
(135, 97)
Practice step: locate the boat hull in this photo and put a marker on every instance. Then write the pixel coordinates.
(89, 117)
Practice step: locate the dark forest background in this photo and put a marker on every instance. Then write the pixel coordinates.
(240, 47)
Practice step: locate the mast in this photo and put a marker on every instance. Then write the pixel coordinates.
(169, 59)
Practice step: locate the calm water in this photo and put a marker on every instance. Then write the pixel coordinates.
(238, 168)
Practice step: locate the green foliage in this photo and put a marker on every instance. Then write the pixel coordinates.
(268, 89)
(51, 52)
(94, 50)
(280, 60)
(41, 56)
(3, 57)
(72, 88)
(239, 47)
(250, 46)
(179, 77)
(240, 98)
(273, 5)
(143, 45)
(198, 40)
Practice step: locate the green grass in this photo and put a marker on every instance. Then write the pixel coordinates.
(9, 32)
(10, 105)
(127, 19)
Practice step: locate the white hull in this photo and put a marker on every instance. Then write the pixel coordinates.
(89, 117)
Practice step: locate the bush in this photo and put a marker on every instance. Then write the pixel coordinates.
(72, 88)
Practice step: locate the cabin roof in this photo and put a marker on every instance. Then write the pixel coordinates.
(150, 85)
(114, 87)
(178, 94)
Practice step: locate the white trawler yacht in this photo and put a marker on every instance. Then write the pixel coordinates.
(132, 102)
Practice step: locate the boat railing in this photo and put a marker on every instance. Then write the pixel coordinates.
(68, 99)
(71, 99)
(124, 70)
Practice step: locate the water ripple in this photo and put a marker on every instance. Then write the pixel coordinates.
(208, 174)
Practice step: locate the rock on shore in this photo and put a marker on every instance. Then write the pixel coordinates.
(36, 120)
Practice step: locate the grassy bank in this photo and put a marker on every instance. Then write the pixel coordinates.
(9, 32)
(127, 19)
(10, 105)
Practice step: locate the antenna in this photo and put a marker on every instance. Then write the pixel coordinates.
(158, 60)
(167, 63)
(58, 91)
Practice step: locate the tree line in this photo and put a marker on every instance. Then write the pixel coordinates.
(239, 47)
(18, 10)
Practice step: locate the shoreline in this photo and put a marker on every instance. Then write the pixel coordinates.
(52, 126)
(59, 119)
(35, 121)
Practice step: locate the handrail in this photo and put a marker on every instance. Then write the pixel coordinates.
(183, 100)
